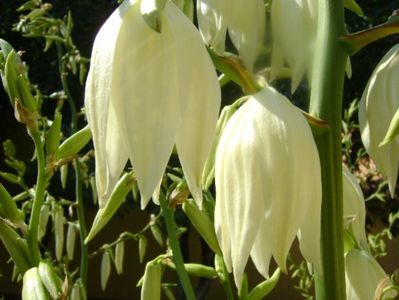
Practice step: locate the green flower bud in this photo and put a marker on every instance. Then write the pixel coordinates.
(105, 269)
(72, 145)
(32, 288)
(70, 240)
(119, 256)
(151, 287)
(197, 270)
(202, 223)
(59, 236)
(116, 199)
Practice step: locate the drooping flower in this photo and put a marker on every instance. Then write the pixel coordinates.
(354, 208)
(378, 105)
(147, 91)
(363, 276)
(243, 19)
(268, 185)
(294, 24)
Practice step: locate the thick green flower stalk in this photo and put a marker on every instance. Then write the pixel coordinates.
(147, 91)
(377, 107)
(268, 185)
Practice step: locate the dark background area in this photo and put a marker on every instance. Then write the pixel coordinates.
(88, 16)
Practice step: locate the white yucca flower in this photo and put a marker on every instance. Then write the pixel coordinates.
(147, 91)
(294, 25)
(363, 276)
(243, 19)
(268, 185)
(354, 208)
(378, 105)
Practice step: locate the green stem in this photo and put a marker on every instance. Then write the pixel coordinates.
(227, 284)
(168, 215)
(84, 253)
(41, 183)
(326, 103)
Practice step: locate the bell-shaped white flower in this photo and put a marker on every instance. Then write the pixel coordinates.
(354, 208)
(294, 24)
(147, 91)
(244, 20)
(363, 276)
(378, 105)
(268, 185)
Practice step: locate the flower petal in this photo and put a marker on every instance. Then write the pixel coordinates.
(148, 91)
(375, 116)
(246, 25)
(110, 155)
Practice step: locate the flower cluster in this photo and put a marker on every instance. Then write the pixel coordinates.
(147, 91)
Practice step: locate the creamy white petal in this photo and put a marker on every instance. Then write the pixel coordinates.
(293, 162)
(261, 251)
(363, 275)
(240, 188)
(354, 208)
(211, 15)
(296, 36)
(202, 98)
(148, 93)
(246, 26)
(267, 178)
(110, 155)
(376, 109)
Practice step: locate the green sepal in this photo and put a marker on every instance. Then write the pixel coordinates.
(393, 130)
(50, 279)
(16, 247)
(151, 11)
(54, 136)
(265, 287)
(353, 6)
(202, 223)
(72, 145)
(117, 197)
